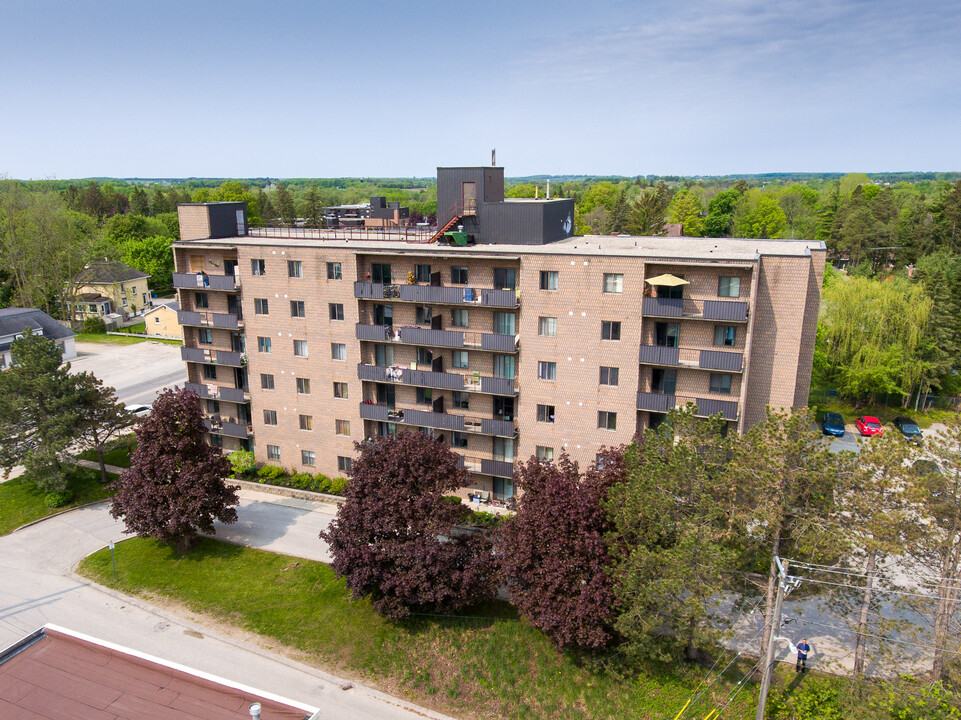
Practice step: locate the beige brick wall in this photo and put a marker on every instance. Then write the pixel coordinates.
(194, 223)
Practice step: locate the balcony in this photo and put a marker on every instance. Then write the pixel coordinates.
(717, 310)
(234, 395)
(706, 407)
(225, 321)
(440, 421)
(499, 468)
(440, 380)
(212, 357)
(691, 357)
(203, 281)
(412, 335)
(424, 294)
(201, 391)
(228, 428)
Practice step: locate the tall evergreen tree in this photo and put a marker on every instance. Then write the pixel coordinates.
(139, 202)
(312, 209)
(285, 204)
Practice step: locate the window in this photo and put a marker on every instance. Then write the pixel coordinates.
(458, 275)
(213, 407)
(611, 330)
(725, 335)
(336, 311)
(300, 348)
(343, 463)
(504, 449)
(273, 452)
(266, 381)
(210, 372)
(548, 280)
(425, 396)
(505, 323)
(125, 301)
(721, 383)
(342, 427)
(338, 351)
(459, 359)
(340, 390)
(547, 370)
(201, 301)
(260, 306)
(545, 453)
(422, 273)
(205, 336)
(458, 439)
(306, 422)
(667, 334)
(545, 413)
(270, 417)
(308, 458)
(547, 326)
(425, 356)
(380, 272)
(458, 317)
(383, 355)
(503, 488)
(505, 279)
(334, 271)
(297, 309)
(663, 381)
(729, 286)
(504, 366)
(424, 315)
(606, 420)
(303, 386)
(216, 441)
(295, 269)
(156, 320)
(613, 282)
(258, 266)
(461, 400)
(263, 344)
(609, 375)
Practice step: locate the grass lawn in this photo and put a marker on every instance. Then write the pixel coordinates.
(22, 502)
(119, 339)
(118, 452)
(883, 413)
(485, 664)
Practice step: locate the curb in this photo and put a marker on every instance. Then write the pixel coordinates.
(58, 514)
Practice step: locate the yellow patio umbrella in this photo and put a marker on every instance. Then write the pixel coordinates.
(668, 280)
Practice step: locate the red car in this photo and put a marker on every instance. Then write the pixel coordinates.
(868, 425)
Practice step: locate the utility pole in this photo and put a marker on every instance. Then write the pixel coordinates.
(767, 669)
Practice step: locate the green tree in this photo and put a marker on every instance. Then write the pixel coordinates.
(619, 213)
(265, 208)
(673, 538)
(798, 203)
(720, 213)
(947, 213)
(151, 255)
(158, 201)
(39, 411)
(759, 216)
(99, 416)
(285, 204)
(602, 193)
(313, 212)
(139, 202)
(685, 208)
(649, 211)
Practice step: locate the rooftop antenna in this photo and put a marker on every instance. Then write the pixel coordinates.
(493, 152)
(548, 189)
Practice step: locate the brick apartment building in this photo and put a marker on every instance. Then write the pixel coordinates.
(510, 337)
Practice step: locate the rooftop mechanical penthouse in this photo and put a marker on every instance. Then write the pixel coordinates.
(498, 331)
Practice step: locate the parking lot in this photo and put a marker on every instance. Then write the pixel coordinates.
(137, 372)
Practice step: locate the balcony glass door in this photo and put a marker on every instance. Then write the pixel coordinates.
(666, 334)
(663, 381)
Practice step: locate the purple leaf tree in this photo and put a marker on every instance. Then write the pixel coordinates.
(394, 539)
(175, 486)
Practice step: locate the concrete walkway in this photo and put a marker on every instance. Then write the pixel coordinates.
(39, 586)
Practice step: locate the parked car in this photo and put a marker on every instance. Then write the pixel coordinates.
(868, 425)
(908, 428)
(138, 410)
(832, 424)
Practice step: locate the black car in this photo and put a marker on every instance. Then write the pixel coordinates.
(908, 428)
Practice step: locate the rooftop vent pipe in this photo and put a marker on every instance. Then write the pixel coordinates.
(255, 711)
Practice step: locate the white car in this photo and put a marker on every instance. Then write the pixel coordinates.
(138, 410)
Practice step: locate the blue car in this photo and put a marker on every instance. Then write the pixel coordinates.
(833, 424)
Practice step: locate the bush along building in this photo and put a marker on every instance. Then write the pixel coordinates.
(500, 332)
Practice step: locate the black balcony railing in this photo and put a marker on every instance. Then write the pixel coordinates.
(443, 295)
(212, 357)
(191, 318)
(706, 407)
(203, 281)
(719, 310)
(691, 357)
(443, 381)
(228, 428)
(412, 335)
(440, 421)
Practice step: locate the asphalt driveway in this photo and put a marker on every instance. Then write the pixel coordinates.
(137, 372)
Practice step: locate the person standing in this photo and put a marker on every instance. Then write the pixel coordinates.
(802, 655)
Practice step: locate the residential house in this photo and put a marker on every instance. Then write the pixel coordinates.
(110, 287)
(15, 321)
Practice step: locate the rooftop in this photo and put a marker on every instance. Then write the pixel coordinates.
(14, 320)
(681, 248)
(56, 673)
(108, 272)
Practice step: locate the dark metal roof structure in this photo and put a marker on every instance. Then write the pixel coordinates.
(15, 320)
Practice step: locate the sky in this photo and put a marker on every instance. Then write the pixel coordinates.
(394, 89)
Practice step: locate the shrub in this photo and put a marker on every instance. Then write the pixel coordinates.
(302, 481)
(452, 499)
(482, 518)
(337, 486)
(58, 499)
(270, 472)
(241, 462)
(322, 483)
(94, 325)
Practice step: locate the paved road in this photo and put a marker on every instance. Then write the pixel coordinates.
(137, 372)
(38, 586)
